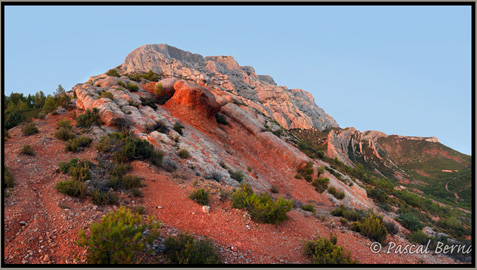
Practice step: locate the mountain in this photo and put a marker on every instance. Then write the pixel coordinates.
(418, 162)
(209, 147)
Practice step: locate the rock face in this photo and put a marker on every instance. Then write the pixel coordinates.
(292, 108)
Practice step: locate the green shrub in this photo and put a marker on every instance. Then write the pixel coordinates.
(159, 126)
(99, 197)
(410, 221)
(321, 184)
(29, 129)
(309, 208)
(261, 207)
(183, 153)
(120, 238)
(372, 227)
(158, 90)
(88, 118)
(378, 195)
(78, 143)
(80, 173)
(201, 196)
(132, 87)
(113, 72)
(151, 76)
(107, 94)
(307, 171)
(148, 102)
(63, 123)
(274, 189)
(65, 167)
(178, 127)
(324, 251)
(347, 213)
(156, 158)
(297, 176)
(64, 134)
(338, 194)
(391, 227)
(221, 119)
(72, 188)
(8, 177)
(134, 148)
(131, 181)
(27, 150)
(183, 249)
(237, 175)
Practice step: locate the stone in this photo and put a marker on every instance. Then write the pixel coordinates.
(206, 209)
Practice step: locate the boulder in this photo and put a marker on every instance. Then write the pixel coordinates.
(193, 100)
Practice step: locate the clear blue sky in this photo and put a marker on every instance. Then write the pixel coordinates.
(400, 70)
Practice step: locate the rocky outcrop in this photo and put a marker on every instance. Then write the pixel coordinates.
(191, 101)
(292, 108)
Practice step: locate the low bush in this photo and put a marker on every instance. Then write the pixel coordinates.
(78, 143)
(156, 158)
(391, 227)
(131, 181)
(100, 197)
(201, 196)
(347, 213)
(378, 195)
(157, 126)
(237, 175)
(178, 127)
(261, 207)
(107, 94)
(80, 173)
(309, 208)
(372, 227)
(169, 165)
(29, 129)
(72, 188)
(27, 150)
(274, 189)
(215, 175)
(121, 123)
(9, 179)
(221, 119)
(132, 87)
(88, 118)
(338, 194)
(65, 167)
(307, 171)
(184, 249)
(410, 221)
(63, 123)
(64, 134)
(148, 102)
(183, 153)
(120, 238)
(113, 72)
(324, 251)
(151, 76)
(321, 184)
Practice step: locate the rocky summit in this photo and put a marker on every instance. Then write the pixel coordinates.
(292, 108)
(237, 170)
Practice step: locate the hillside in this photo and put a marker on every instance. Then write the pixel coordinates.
(150, 134)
